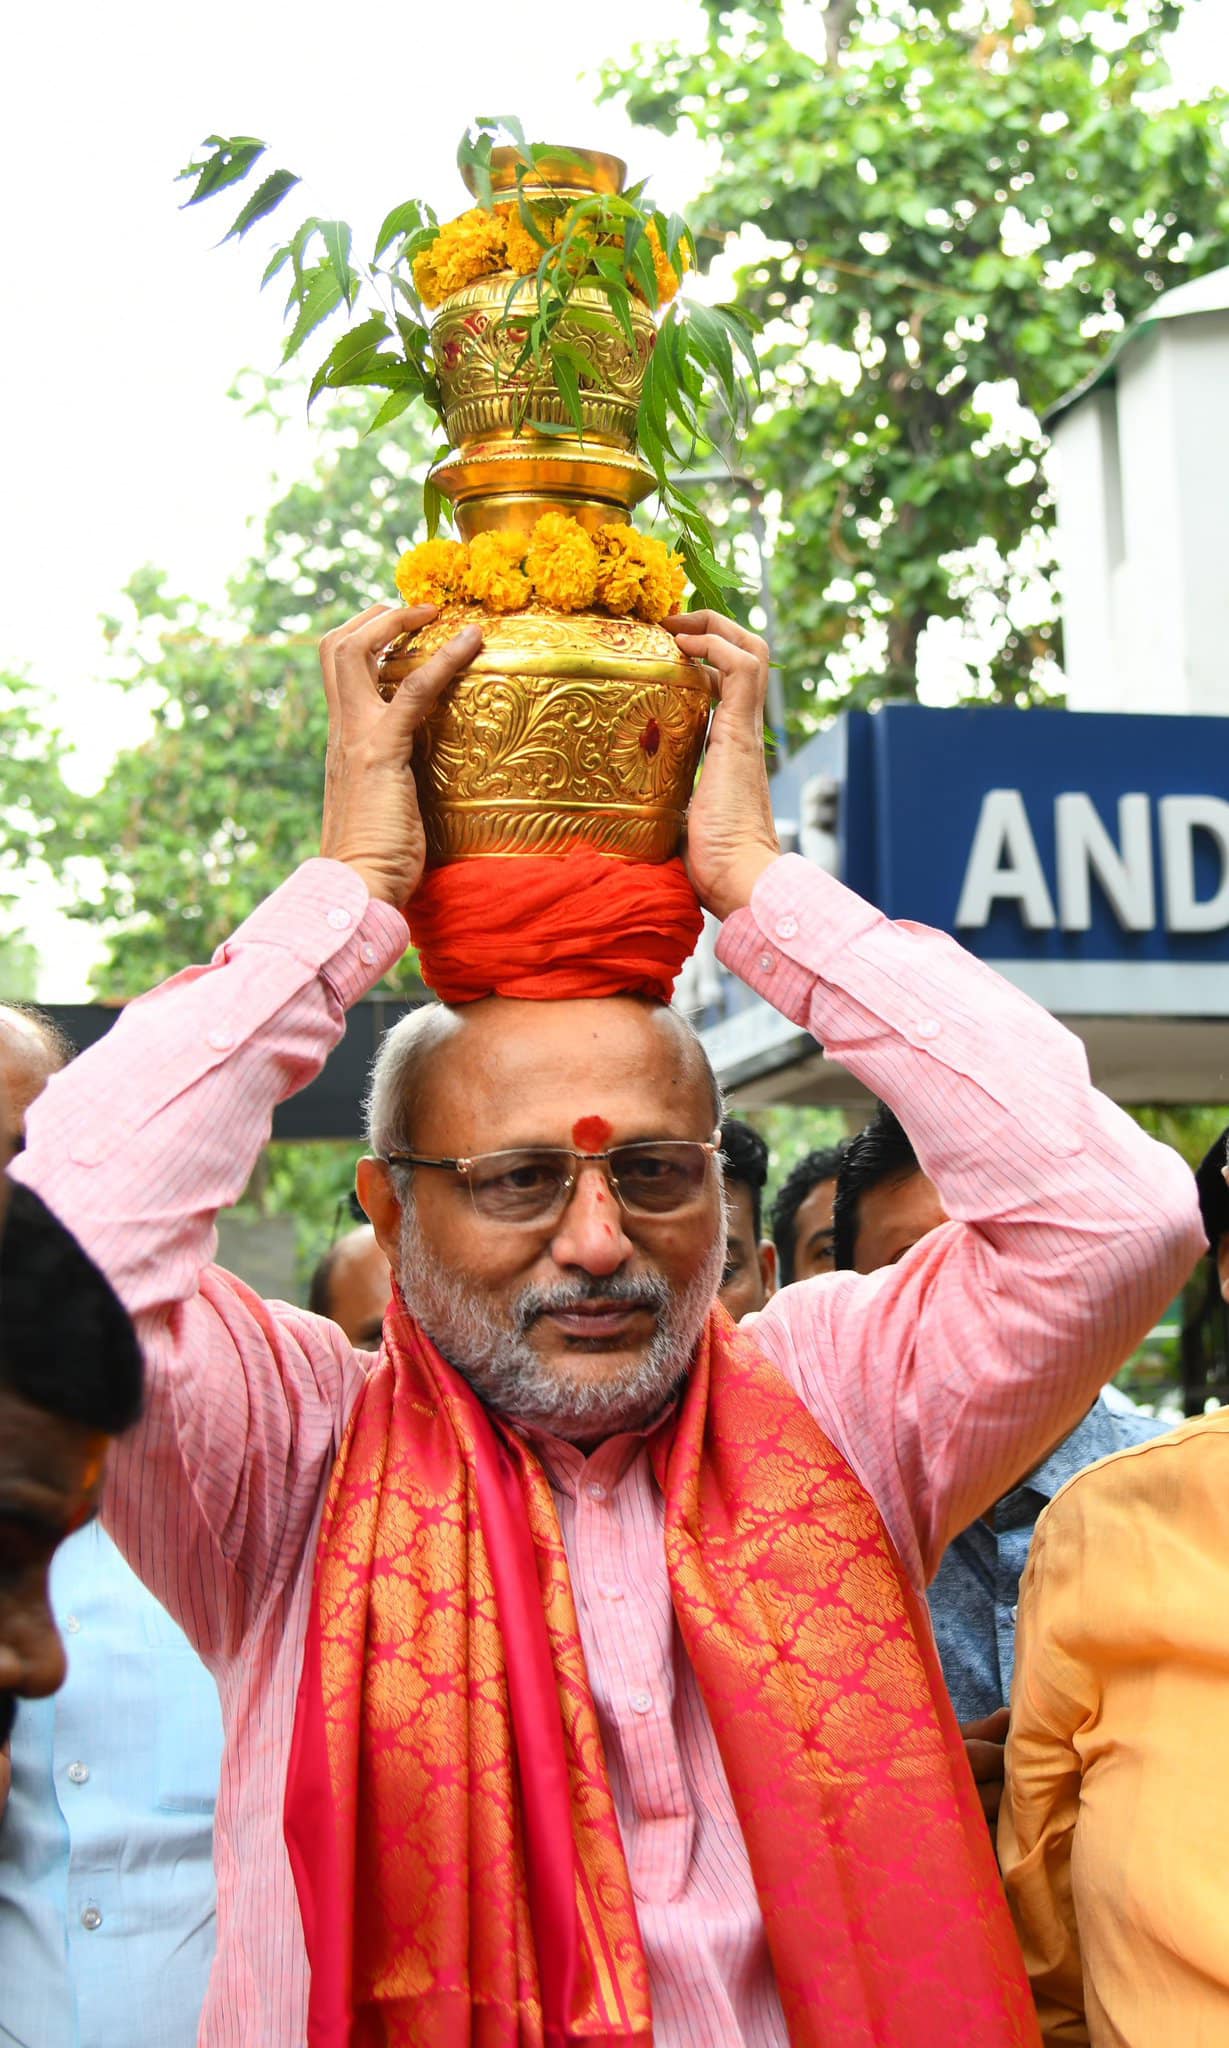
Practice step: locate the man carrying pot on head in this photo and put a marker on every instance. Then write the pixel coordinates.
(574, 1656)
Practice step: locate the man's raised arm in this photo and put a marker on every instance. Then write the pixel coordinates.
(948, 1376)
(142, 1140)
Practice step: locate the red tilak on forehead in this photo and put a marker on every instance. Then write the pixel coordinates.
(592, 1134)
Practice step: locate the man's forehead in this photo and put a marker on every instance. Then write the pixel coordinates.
(512, 1071)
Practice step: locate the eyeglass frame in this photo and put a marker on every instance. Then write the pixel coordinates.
(462, 1166)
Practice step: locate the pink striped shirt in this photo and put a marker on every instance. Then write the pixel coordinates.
(942, 1378)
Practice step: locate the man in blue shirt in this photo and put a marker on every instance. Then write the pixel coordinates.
(106, 1841)
(884, 1204)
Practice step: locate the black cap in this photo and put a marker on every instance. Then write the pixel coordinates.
(1213, 1193)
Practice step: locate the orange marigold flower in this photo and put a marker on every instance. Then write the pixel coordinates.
(494, 576)
(470, 247)
(426, 282)
(562, 563)
(521, 252)
(638, 576)
(433, 572)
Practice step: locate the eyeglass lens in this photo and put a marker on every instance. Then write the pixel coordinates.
(652, 1179)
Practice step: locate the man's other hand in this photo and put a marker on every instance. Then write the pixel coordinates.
(985, 1745)
(371, 815)
(731, 837)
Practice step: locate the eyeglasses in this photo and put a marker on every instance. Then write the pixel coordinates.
(534, 1185)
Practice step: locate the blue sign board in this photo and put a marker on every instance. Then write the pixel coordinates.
(1085, 855)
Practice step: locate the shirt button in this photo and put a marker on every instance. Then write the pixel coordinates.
(367, 952)
(220, 1039)
(595, 1490)
(929, 1027)
(78, 1773)
(72, 1627)
(90, 1917)
(640, 1702)
(767, 963)
(340, 919)
(787, 926)
(611, 1592)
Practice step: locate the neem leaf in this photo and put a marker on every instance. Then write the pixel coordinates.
(263, 200)
(337, 238)
(231, 160)
(564, 373)
(350, 355)
(320, 296)
(394, 405)
(407, 219)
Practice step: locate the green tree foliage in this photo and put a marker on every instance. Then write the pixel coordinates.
(192, 828)
(949, 198)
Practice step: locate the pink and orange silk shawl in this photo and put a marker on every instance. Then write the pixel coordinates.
(448, 1815)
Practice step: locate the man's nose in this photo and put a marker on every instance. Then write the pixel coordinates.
(590, 1232)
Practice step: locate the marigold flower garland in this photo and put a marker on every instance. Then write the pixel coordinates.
(616, 570)
(481, 244)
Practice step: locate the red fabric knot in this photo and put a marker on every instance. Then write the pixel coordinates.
(549, 928)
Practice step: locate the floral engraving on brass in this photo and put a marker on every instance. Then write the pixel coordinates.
(476, 339)
(603, 750)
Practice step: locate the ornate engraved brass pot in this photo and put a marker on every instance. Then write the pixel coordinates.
(563, 729)
(567, 727)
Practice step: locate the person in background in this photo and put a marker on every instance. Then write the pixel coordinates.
(750, 1274)
(802, 1217)
(885, 1204)
(352, 1285)
(1214, 1207)
(70, 1379)
(1115, 1817)
(106, 1842)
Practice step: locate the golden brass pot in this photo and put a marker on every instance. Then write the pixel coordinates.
(566, 728)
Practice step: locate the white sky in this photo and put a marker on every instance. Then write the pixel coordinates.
(123, 328)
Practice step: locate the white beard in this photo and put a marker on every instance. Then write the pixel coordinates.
(500, 1362)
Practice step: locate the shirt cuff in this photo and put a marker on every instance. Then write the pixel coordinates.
(799, 918)
(325, 917)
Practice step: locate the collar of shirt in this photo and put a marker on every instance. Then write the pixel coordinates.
(568, 1467)
(1099, 1434)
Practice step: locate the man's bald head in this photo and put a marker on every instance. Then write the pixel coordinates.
(32, 1049)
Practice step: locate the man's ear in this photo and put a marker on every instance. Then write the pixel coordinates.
(767, 1252)
(374, 1184)
(1222, 1265)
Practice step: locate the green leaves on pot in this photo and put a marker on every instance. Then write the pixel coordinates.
(701, 371)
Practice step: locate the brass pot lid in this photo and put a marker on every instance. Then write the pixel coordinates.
(574, 173)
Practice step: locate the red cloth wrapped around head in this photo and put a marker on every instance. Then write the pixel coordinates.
(552, 927)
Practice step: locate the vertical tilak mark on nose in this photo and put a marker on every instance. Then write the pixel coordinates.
(592, 1133)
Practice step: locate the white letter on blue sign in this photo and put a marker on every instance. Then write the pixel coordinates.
(1004, 865)
(1085, 849)
(1181, 818)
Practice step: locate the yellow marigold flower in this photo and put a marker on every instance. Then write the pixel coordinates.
(668, 279)
(426, 283)
(665, 581)
(521, 252)
(637, 576)
(470, 247)
(562, 563)
(494, 576)
(433, 572)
